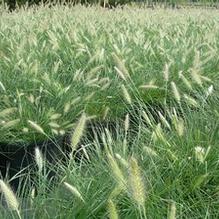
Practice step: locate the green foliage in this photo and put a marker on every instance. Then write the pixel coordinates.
(153, 73)
(56, 62)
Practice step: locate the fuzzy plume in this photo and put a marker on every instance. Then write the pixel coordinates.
(39, 159)
(136, 183)
(36, 127)
(175, 92)
(74, 191)
(78, 132)
(10, 197)
(112, 210)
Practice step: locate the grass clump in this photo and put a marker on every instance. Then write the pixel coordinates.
(152, 73)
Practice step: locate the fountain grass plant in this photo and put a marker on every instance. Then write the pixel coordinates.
(152, 72)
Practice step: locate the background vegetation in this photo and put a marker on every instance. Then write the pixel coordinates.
(12, 4)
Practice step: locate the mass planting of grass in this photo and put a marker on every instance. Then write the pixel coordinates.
(152, 72)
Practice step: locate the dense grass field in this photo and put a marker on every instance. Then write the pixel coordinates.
(152, 75)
